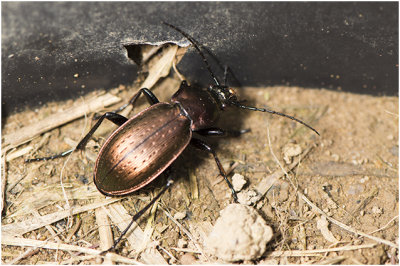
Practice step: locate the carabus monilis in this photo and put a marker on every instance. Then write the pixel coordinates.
(145, 146)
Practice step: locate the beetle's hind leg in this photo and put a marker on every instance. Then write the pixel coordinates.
(117, 119)
(169, 183)
(205, 147)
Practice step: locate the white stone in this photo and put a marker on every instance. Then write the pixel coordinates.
(238, 182)
(240, 233)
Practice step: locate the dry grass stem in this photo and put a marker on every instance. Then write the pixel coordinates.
(266, 183)
(194, 188)
(23, 242)
(299, 253)
(385, 226)
(120, 217)
(186, 250)
(191, 237)
(105, 234)
(23, 227)
(161, 68)
(76, 111)
(18, 153)
(318, 210)
(149, 229)
(74, 229)
(344, 226)
(29, 252)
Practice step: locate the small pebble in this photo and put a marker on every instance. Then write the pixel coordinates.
(187, 259)
(182, 243)
(248, 197)
(377, 211)
(335, 157)
(240, 233)
(290, 150)
(355, 189)
(180, 215)
(238, 182)
(395, 150)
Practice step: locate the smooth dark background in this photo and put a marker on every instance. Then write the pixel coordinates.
(351, 46)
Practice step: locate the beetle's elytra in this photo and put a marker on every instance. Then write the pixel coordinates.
(145, 145)
(142, 149)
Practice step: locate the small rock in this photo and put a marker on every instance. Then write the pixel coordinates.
(395, 150)
(182, 243)
(289, 151)
(240, 233)
(180, 215)
(187, 259)
(377, 211)
(355, 189)
(238, 182)
(335, 157)
(248, 197)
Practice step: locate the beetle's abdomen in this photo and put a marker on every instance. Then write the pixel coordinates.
(141, 149)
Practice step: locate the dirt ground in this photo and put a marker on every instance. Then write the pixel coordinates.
(350, 173)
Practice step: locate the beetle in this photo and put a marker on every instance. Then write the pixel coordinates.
(145, 146)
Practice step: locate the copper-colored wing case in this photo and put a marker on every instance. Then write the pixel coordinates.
(141, 149)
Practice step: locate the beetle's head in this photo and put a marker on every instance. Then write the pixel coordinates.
(225, 95)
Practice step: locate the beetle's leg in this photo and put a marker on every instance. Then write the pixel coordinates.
(205, 147)
(170, 181)
(113, 117)
(215, 131)
(151, 98)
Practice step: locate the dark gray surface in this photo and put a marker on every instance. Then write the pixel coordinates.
(353, 46)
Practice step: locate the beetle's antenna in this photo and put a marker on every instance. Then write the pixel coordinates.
(193, 41)
(273, 112)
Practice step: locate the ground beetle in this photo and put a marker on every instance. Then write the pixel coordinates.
(145, 145)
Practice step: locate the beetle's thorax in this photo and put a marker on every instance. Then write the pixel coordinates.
(198, 104)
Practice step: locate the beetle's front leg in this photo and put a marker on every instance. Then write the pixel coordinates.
(205, 147)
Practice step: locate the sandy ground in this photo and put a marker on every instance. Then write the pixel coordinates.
(350, 173)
